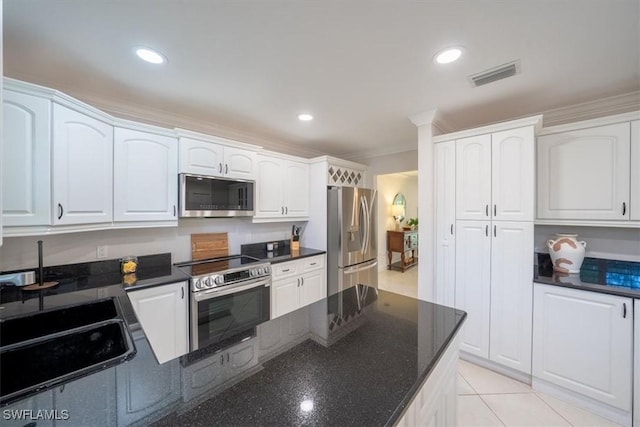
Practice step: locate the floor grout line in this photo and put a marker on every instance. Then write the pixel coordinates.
(553, 409)
(494, 412)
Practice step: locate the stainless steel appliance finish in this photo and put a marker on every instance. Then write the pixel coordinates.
(207, 196)
(229, 295)
(352, 242)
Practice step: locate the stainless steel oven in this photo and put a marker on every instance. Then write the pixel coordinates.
(229, 296)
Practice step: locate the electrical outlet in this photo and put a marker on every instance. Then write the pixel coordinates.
(101, 252)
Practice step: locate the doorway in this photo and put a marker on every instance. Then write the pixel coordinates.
(388, 186)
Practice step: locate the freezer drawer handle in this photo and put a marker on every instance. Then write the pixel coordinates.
(352, 270)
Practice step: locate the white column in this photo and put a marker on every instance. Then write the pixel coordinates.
(426, 209)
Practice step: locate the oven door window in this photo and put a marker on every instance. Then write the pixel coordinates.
(222, 317)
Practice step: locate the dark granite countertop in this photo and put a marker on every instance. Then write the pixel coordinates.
(282, 254)
(365, 376)
(620, 278)
(85, 282)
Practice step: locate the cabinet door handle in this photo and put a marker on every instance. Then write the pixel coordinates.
(60, 211)
(624, 208)
(285, 270)
(286, 210)
(226, 168)
(222, 359)
(494, 231)
(495, 210)
(486, 210)
(220, 167)
(298, 282)
(282, 213)
(624, 310)
(452, 229)
(486, 230)
(227, 357)
(302, 281)
(182, 289)
(174, 210)
(313, 263)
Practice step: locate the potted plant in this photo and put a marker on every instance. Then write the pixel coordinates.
(412, 223)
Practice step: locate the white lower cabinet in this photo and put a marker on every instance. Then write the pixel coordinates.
(494, 286)
(473, 284)
(144, 386)
(435, 403)
(297, 284)
(209, 374)
(511, 295)
(583, 342)
(280, 334)
(90, 401)
(163, 314)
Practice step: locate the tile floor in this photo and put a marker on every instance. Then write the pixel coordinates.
(486, 398)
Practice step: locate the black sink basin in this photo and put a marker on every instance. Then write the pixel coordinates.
(44, 323)
(51, 348)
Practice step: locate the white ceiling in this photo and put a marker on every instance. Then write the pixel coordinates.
(361, 67)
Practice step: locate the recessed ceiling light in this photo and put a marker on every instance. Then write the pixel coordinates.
(150, 55)
(448, 55)
(305, 117)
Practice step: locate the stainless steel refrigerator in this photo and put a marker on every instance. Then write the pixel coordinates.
(352, 241)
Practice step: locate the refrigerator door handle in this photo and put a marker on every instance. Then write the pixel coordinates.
(358, 268)
(365, 226)
(355, 213)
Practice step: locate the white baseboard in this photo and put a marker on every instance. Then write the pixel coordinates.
(511, 373)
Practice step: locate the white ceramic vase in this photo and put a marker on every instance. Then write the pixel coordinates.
(567, 253)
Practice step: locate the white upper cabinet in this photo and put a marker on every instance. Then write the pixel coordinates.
(585, 174)
(634, 204)
(296, 195)
(208, 158)
(282, 188)
(145, 176)
(512, 174)
(82, 168)
(445, 190)
(473, 177)
(495, 176)
(26, 160)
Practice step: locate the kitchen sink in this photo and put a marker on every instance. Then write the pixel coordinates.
(53, 347)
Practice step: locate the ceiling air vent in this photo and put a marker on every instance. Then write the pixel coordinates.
(494, 74)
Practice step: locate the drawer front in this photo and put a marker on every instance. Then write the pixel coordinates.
(312, 263)
(285, 269)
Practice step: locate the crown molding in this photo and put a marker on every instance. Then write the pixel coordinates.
(600, 121)
(593, 109)
(535, 121)
(386, 151)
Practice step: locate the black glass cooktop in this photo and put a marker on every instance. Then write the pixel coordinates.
(215, 265)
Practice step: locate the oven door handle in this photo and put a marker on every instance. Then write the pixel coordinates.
(213, 293)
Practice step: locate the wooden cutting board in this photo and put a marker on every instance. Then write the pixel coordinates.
(209, 245)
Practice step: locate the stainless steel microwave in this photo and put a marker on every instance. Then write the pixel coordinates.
(208, 196)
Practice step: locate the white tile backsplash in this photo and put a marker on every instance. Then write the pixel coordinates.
(602, 242)
(21, 252)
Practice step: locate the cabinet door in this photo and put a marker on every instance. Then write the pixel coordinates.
(473, 177)
(511, 294)
(91, 401)
(473, 284)
(584, 174)
(269, 196)
(144, 386)
(296, 184)
(145, 176)
(162, 313)
(26, 160)
(312, 287)
(241, 357)
(285, 296)
(512, 174)
(82, 168)
(582, 341)
(634, 204)
(239, 163)
(200, 157)
(445, 187)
